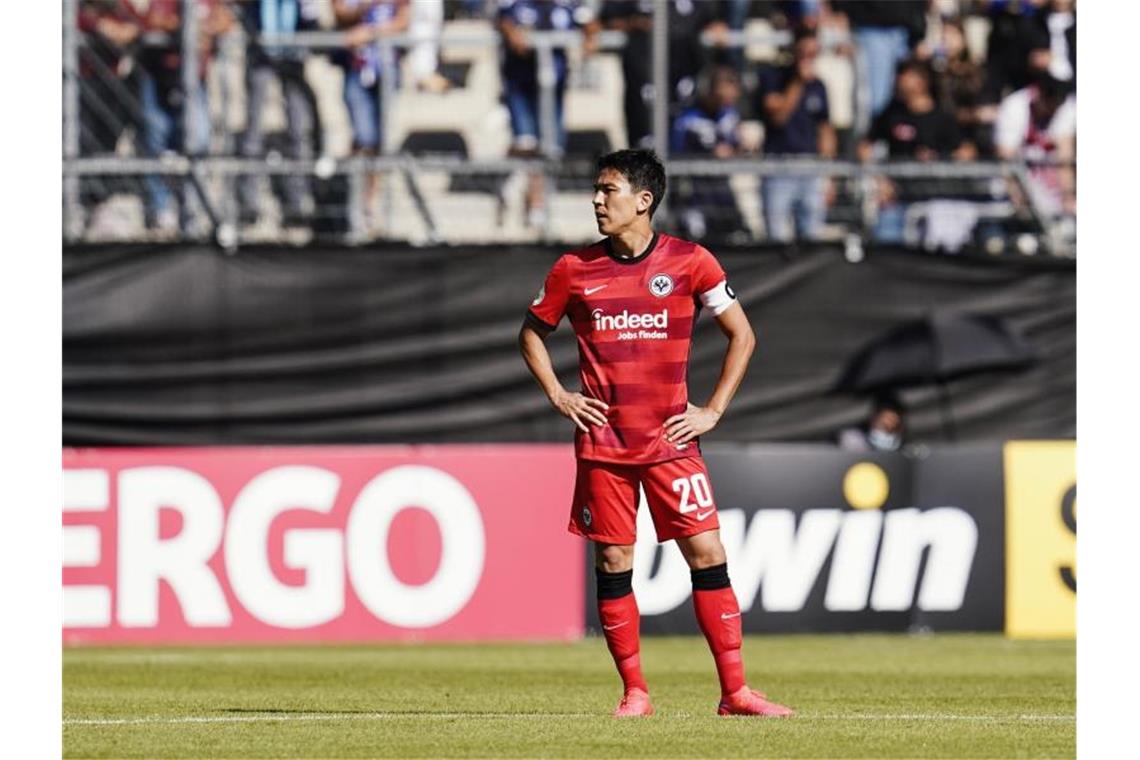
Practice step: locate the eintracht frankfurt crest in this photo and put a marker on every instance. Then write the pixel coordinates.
(661, 285)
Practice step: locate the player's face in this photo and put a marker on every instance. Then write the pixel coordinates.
(616, 205)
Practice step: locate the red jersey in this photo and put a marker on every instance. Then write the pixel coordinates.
(634, 320)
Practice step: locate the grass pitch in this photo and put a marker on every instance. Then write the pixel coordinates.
(870, 696)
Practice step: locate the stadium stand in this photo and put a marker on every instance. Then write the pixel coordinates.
(445, 171)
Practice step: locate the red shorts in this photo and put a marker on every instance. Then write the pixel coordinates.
(606, 498)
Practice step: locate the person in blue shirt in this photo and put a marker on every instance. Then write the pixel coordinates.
(794, 109)
(707, 205)
(519, 66)
(364, 22)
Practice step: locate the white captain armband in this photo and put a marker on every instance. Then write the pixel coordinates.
(719, 298)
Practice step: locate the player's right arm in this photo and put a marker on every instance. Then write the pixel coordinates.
(572, 405)
(545, 313)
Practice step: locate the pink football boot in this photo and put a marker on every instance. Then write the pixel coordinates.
(634, 704)
(745, 701)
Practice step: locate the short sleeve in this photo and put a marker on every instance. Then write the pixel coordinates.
(710, 284)
(550, 304)
(1012, 122)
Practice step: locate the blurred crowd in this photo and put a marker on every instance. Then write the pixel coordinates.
(927, 88)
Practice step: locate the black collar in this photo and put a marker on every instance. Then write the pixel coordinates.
(608, 244)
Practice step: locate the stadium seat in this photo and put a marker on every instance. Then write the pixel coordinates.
(582, 148)
(448, 143)
(435, 143)
(587, 143)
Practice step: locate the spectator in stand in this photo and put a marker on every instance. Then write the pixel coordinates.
(1012, 26)
(1039, 51)
(687, 56)
(707, 205)
(635, 18)
(794, 14)
(286, 64)
(793, 105)
(884, 430)
(913, 128)
(108, 85)
(1060, 21)
(709, 126)
(886, 32)
(365, 21)
(163, 98)
(425, 25)
(516, 20)
(1039, 124)
(689, 21)
(364, 69)
(958, 83)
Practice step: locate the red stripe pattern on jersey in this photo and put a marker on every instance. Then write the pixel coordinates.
(634, 322)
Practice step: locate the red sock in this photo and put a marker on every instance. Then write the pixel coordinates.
(621, 624)
(718, 615)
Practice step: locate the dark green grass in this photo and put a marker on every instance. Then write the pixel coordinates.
(872, 696)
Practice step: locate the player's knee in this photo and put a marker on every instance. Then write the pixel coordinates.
(703, 550)
(708, 558)
(613, 558)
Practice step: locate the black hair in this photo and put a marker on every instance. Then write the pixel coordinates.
(888, 400)
(803, 32)
(918, 67)
(641, 168)
(711, 76)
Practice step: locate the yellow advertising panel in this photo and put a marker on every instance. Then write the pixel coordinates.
(1041, 539)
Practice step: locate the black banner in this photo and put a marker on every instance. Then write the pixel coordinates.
(825, 540)
(184, 345)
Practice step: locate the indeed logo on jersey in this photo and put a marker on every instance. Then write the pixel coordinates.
(633, 326)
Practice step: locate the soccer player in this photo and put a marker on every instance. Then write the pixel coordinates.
(632, 300)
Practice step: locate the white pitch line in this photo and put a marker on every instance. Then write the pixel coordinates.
(271, 717)
(292, 717)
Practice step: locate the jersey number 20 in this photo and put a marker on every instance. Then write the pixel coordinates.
(698, 486)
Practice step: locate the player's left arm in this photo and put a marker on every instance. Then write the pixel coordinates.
(697, 420)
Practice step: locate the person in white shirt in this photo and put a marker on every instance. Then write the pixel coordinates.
(1061, 22)
(1039, 124)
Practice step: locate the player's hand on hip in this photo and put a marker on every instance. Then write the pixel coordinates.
(694, 421)
(581, 409)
